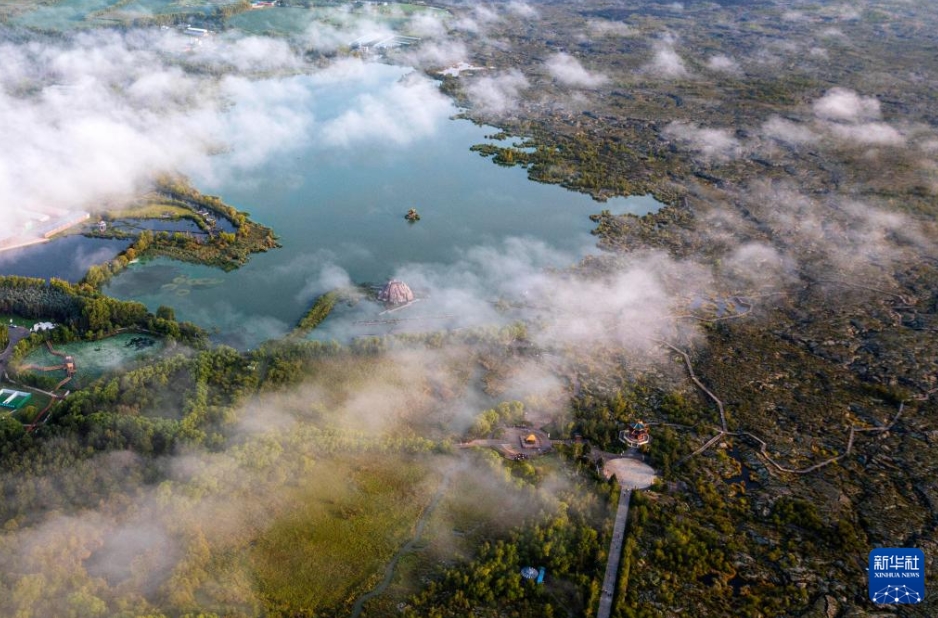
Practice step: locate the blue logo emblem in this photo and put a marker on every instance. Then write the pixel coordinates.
(897, 575)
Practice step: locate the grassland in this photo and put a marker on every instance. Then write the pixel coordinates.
(37, 403)
(333, 546)
(150, 210)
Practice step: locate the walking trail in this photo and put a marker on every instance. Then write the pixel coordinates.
(404, 550)
(631, 474)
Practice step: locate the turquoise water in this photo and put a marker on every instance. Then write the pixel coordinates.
(69, 14)
(62, 15)
(94, 358)
(142, 8)
(278, 21)
(295, 20)
(344, 209)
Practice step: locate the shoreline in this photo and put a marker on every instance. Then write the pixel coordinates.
(25, 243)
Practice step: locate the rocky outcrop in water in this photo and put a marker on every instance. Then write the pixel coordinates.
(396, 292)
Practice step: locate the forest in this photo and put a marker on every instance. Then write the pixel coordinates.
(84, 313)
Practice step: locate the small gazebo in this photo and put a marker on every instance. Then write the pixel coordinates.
(636, 435)
(396, 292)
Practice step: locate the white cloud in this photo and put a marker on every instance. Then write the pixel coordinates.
(564, 311)
(713, 144)
(477, 20)
(847, 237)
(522, 9)
(330, 277)
(787, 131)
(434, 54)
(95, 116)
(605, 27)
(847, 106)
(723, 64)
(851, 117)
(427, 25)
(497, 94)
(818, 52)
(846, 12)
(568, 71)
(325, 37)
(755, 264)
(268, 117)
(485, 14)
(409, 109)
(869, 133)
(345, 29)
(251, 54)
(666, 62)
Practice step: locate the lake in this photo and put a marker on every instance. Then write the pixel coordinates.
(70, 14)
(341, 208)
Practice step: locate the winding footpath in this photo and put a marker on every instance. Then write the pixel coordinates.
(763, 446)
(404, 550)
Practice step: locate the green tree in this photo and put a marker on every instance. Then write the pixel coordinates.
(97, 315)
(166, 313)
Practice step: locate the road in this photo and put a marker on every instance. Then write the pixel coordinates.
(631, 474)
(17, 333)
(615, 554)
(509, 444)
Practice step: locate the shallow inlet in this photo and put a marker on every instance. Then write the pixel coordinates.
(66, 257)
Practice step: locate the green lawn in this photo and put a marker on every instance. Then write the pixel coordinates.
(150, 210)
(8, 318)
